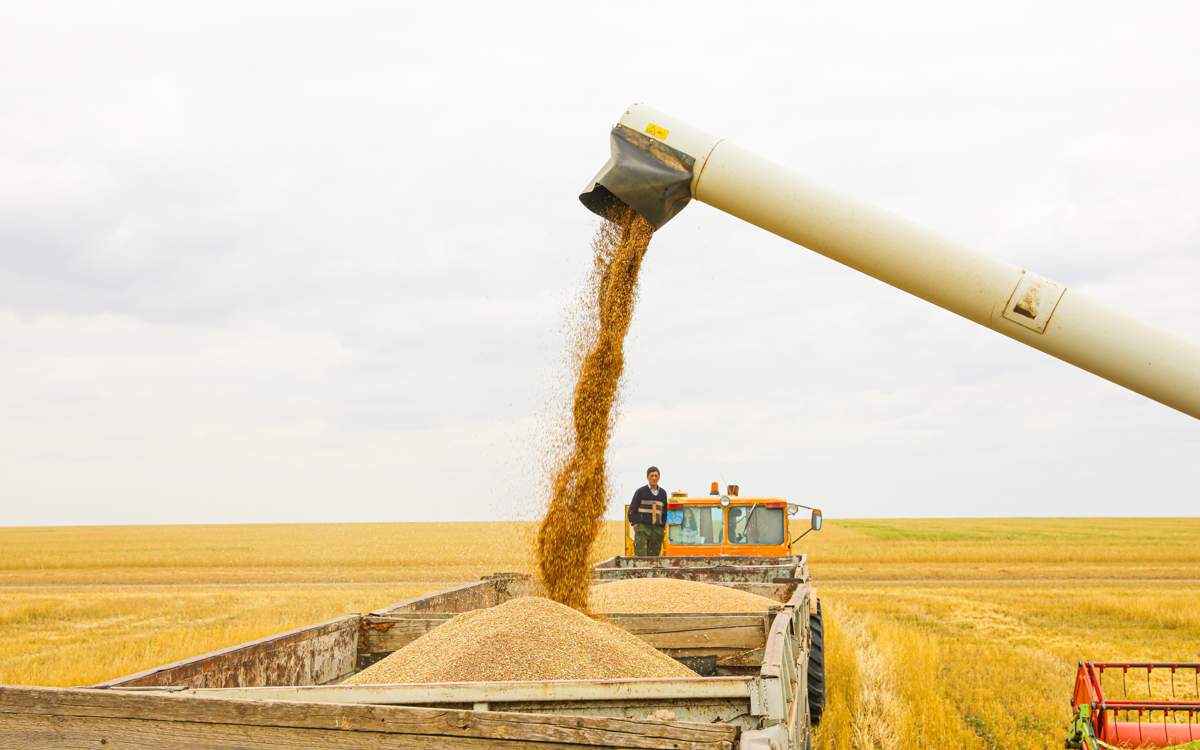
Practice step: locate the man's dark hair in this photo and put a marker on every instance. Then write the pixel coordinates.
(653, 470)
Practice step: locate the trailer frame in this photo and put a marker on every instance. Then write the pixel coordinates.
(257, 693)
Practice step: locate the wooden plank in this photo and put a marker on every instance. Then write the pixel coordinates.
(381, 635)
(678, 622)
(78, 732)
(689, 633)
(723, 574)
(415, 615)
(307, 656)
(723, 569)
(743, 579)
(774, 651)
(632, 689)
(489, 592)
(802, 592)
(743, 659)
(780, 592)
(719, 651)
(744, 637)
(58, 718)
(455, 599)
(699, 561)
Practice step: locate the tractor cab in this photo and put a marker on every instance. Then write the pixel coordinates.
(728, 525)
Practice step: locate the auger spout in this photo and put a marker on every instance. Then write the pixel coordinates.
(659, 163)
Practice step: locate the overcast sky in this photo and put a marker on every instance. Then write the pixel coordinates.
(290, 262)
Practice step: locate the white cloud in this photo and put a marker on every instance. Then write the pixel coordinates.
(291, 263)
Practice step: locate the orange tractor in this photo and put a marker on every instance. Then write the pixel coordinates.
(717, 525)
(744, 543)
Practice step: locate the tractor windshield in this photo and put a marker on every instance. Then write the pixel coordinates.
(755, 524)
(695, 526)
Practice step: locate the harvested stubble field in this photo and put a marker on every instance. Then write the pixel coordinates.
(941, 633)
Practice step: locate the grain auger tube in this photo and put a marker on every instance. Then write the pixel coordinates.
(659, 163)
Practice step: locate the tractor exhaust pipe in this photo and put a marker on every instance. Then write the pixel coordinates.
(659, 163)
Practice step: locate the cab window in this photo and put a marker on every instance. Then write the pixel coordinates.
(755, 524)
(695, 526)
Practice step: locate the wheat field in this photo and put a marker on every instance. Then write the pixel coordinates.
(940, 633)
(966, 634)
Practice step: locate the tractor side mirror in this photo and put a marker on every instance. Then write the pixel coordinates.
(814, 525)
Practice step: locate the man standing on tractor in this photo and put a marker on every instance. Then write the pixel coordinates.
(648, 514)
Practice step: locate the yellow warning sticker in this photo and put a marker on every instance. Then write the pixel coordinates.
(658, 131)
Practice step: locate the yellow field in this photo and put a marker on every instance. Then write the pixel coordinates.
(80, 605)
(941, 633)
(965, 634)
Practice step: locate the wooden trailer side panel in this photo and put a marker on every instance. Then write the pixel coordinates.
(773, 577)
(697, 630)
(57, 719)
(718, 634)
(489, 592)
(314, 655)
(784, 672)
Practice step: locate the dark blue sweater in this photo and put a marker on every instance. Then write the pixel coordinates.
(646, 507)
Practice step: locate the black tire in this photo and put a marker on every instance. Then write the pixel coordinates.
(816, 666)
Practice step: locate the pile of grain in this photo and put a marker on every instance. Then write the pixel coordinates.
(529, 638)
(674, 595)
(579, 490)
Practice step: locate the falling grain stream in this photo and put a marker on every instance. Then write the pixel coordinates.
(579, 490)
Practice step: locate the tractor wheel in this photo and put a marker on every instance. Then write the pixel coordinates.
(816, 667)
